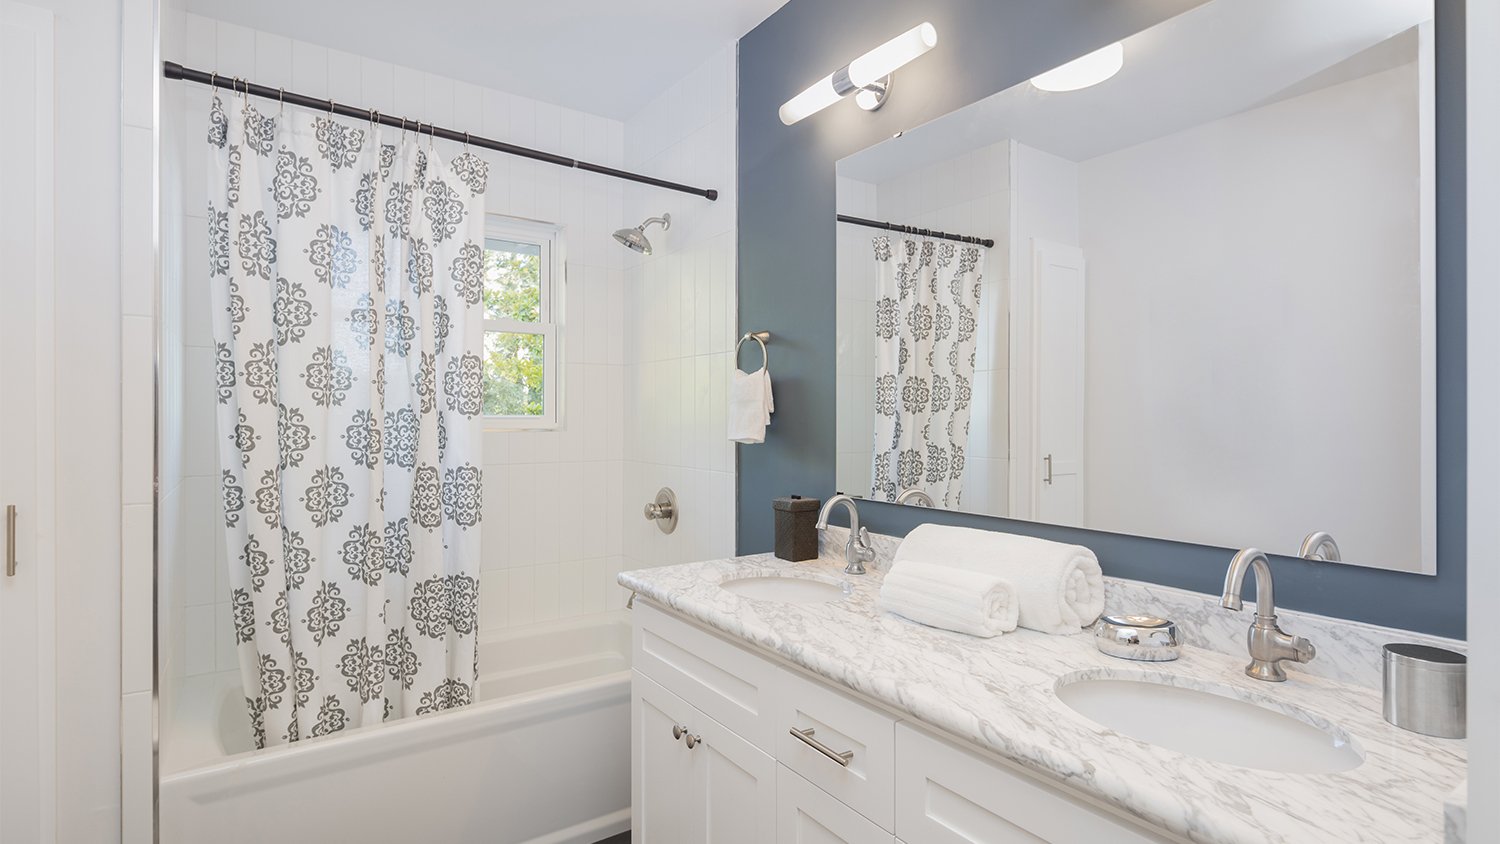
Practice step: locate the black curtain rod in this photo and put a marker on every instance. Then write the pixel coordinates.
(173, 70)
(986, 242)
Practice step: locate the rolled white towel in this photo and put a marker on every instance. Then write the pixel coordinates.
(969, 602)
(1059, 588)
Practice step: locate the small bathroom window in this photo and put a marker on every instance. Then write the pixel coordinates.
(521, 298)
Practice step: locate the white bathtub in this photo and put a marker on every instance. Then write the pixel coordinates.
(543, 757)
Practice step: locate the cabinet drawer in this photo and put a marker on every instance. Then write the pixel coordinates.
(724, 681)
(841, 725)
(805, 814)
(947, 795)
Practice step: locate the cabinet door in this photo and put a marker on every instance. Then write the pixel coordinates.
(806, 814)
(659, 779)
(737, 782)
(709, 786)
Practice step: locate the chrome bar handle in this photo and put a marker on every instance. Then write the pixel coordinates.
(1047, 479)
(10, 540)
(806, 737)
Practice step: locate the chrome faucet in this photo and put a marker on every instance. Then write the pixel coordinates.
(1319, 545)
(857, 550)
(1268, 645)
(915, 496)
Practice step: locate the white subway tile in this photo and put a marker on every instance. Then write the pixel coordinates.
(236, 50)
(200, 654)
(521, 589)
(273, 60)
(544, 596)
(309, 69)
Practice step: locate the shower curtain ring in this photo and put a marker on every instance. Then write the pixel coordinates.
(280, 101)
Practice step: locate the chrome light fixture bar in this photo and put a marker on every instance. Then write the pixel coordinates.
(867, 77)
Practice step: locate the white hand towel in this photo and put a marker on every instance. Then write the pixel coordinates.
(1059, 588)
(951, 598)
(750, 405)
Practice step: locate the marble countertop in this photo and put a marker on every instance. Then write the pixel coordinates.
(1000, 695)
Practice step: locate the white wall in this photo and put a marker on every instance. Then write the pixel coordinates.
(1044, 206)
(1484, 419)
(1202, 344)
(646, 339)
(679, 313)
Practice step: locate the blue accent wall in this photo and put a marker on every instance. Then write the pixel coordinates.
(787, 255)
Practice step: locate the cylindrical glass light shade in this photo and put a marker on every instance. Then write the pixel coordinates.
(871, 67)
(885, 59)
(816, 98)
(1083, 71)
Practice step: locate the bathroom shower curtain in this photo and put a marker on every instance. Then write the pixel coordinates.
(926, 318)
(346, 275)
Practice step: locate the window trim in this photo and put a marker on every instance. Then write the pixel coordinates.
(552, 266)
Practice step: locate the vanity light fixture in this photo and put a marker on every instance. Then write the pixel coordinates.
(867, 77)
(1083, 71)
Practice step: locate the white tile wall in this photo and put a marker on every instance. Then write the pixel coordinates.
(970, 194)
(680, 308)
(560, 506)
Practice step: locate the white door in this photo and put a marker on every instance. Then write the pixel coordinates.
(26, 618)
(1058, 276)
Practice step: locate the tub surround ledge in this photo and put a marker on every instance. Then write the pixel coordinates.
(998, 695)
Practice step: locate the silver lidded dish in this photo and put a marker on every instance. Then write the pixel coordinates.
(1140, 637)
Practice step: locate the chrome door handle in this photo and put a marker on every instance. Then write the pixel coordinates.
(10, 540)
(806, 737)
(678, 731)
(691, 740)
(1047, 479)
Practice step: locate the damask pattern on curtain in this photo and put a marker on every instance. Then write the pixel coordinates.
(346, 276)
(926, 319)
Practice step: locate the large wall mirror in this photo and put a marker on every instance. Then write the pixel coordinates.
(1207, 310)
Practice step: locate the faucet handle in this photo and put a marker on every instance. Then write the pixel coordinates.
(1304, 649)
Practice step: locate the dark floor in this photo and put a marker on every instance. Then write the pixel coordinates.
(622, 838)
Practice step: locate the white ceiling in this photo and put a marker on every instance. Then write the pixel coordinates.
(604, 57)
(1215, 60)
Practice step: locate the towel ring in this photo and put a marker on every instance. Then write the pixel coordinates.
(760, 337)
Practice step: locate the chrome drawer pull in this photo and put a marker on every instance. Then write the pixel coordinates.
(806, 736)
(10, 540)
(691, 741)
(677, 731)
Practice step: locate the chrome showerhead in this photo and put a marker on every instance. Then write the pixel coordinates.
(636, 238)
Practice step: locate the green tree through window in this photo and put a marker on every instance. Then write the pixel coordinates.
(513, 361)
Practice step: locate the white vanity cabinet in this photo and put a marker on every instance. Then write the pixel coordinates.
(777, 755)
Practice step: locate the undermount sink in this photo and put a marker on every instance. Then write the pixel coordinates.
(785, 590)
(1211, 725)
